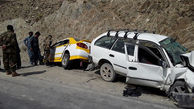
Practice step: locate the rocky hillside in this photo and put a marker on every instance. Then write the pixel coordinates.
(89, 18)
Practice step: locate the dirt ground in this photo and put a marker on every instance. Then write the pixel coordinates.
(90, 80)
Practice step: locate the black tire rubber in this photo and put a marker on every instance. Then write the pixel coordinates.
(174, 90)
(65, 61)
(47, 63)
(107, 72)
(179, 87)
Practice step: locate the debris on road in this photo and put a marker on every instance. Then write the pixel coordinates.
(132, 91)
(90, 80)
(184, 100)
(90, 67)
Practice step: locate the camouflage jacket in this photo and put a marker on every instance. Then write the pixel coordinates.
(47, 43)
(9, 40)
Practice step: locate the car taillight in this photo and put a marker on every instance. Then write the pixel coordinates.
(82, 45)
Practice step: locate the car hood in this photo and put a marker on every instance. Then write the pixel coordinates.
(188, 60)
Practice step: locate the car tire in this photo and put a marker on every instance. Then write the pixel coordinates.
(107, 72)
(179, 87)
(47, 63)
(65, 61)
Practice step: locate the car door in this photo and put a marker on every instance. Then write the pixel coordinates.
(57, 49)
(117, 57)
(146, 69)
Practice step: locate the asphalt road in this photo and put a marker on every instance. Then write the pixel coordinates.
(32, 93)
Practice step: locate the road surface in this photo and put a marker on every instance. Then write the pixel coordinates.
(38, 88)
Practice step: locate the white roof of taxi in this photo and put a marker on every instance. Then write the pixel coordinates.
(142, 36)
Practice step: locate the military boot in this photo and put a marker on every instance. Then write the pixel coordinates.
(15, 74)
(8, 73)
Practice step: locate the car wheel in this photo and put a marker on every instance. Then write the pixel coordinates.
(47, 63)
(179, 87)
(107, 72)
(65, 61)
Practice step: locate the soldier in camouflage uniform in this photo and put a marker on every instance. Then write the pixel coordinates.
(9, 46)
(47, 45)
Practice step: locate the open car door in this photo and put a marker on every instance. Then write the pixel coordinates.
(146, 69)
(57, 50)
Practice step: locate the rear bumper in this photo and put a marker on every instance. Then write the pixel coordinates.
(78, 57)
(79, 54)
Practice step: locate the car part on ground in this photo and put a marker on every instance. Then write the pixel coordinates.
(132, 91)
(90, 67)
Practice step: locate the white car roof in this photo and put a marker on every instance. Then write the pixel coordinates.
(142, 36)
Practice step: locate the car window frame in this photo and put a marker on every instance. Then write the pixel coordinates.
(159, 49)
(103, 46)
(115, 43)
(54, 45)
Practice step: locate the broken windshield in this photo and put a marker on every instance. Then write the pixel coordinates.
(174, 49)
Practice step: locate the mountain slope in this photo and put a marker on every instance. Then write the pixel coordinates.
(89, 18)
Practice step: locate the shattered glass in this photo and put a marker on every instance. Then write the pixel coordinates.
(174, 49)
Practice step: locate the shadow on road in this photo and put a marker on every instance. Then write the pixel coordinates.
(139, 90)
(33, 73)
(2, 70)
(27, 66)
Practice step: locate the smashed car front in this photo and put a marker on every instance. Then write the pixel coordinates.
(188, 62)
(181, 60)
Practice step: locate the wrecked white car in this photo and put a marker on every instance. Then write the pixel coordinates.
(146, 59)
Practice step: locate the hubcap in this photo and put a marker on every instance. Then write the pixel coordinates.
(65, 60)
(106, 73)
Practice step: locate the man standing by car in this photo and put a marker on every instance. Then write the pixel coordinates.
(35, 48)
(47, 45)
(9, 46)
(28, 43)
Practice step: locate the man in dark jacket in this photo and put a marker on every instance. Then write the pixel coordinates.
(9, 46)
(18, 54)
(35, 48)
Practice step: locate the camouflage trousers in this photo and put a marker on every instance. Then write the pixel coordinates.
(46, 55)
(9, 61)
